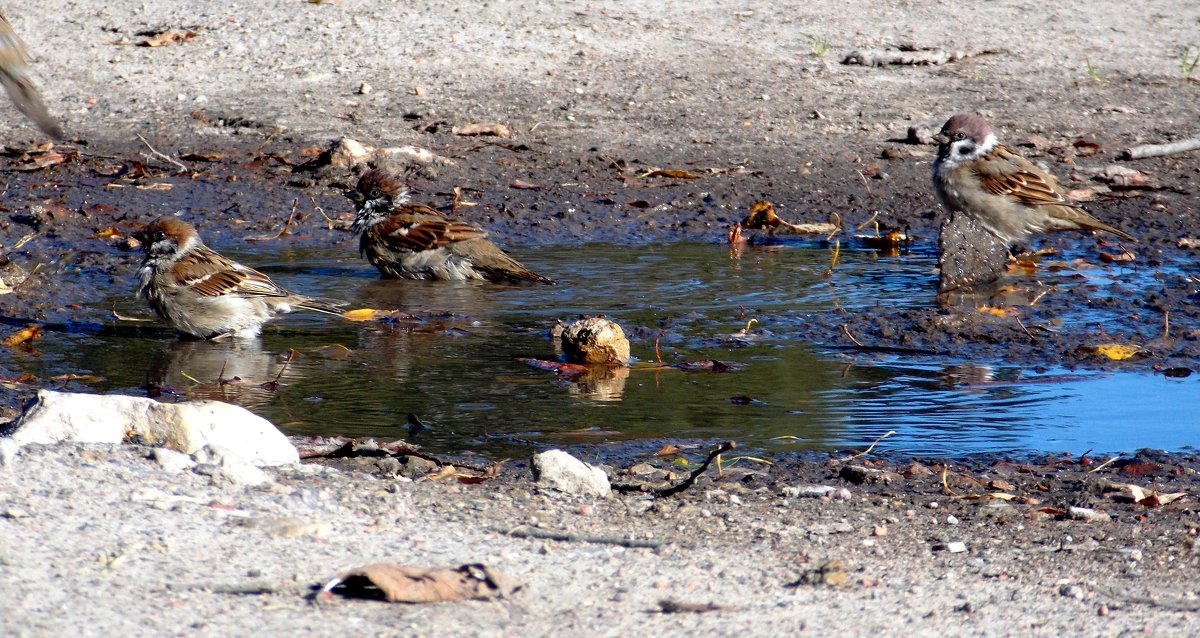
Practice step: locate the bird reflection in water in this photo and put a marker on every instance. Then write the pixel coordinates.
(234, 371)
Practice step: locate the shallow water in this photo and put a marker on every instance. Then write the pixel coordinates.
(458, 369)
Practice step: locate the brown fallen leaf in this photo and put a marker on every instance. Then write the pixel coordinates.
(29, 333)
(482, 128)
(669, 450)
(167, 37)
(523, 185)
(202, 157)
(674, 174)
(400, 584)
(1125, 256)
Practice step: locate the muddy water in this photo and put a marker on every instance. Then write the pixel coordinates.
(458, 370)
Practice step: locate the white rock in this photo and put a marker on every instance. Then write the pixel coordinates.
(172, 461)
(563, 472)
(8, 450)
(185, 427)
(956, 547)
(230, 465)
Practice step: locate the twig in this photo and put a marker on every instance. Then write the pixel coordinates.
(846, 330)
(861, 176)
(946, 484)
(1158, 150)
(525, 531)
(1167, 323)
(286, 225)
(671, 606)
(1027, 332)
(1103, 465)
(1038, 297)
(837, 225)
(685, 483)
(868, 450)
(837, 254)
(1168, 603)
(156, 153)
(251, 588)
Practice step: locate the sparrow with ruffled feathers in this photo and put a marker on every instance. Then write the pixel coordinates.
(14, 75)
(1005, 193)
(202, 294)
(412, 241)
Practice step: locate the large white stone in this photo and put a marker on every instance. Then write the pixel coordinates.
(565, 473)
(186, 427)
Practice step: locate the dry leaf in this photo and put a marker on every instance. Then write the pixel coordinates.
(158, 186)
(1114, 351)
(668, 450)
(361, 314)
(992, 310)
(658, 172)
(1123, 257)
(202, 157)
(29, 333)
(167, 37)
(498, 130)
(110, 232)
(400, 584)
(523, 185)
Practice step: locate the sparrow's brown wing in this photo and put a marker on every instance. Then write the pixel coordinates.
(415, 227)
(211, 275)
(1003, 172)
(14, 77)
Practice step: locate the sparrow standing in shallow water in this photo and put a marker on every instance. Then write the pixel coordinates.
(14, 75)
(202, 294)
(414, 241)
(1007, 194)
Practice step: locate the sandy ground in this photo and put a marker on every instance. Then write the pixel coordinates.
(102, 541)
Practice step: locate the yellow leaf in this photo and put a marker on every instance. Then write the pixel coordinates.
(24, 335)
(1117, 351)
(992, 310)
(361, 314)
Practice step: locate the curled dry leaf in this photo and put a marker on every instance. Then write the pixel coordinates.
(167, 37)
(400, 584)
(29, 333)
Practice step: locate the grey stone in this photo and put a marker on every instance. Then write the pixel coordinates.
(229, 465)
(968, 254)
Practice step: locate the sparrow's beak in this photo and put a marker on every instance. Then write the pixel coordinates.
(941, 138)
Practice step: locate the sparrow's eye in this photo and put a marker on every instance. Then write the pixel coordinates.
(960, 136)
(376, 194)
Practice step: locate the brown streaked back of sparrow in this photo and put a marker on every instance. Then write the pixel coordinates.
(412, 241)
(1006, 193)
(200, 293)
(14, 75)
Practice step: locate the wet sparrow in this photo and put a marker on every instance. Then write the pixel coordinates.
(202, 294)
(14, 75)
(413, 241)
(1005, 193)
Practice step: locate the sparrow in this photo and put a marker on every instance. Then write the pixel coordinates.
(14, 75)
(1005, 193)
(412, 241)
(202, 294)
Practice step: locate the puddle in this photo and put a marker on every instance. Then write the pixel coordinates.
(458, 371)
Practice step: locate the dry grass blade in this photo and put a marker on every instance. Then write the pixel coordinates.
(868, 450)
